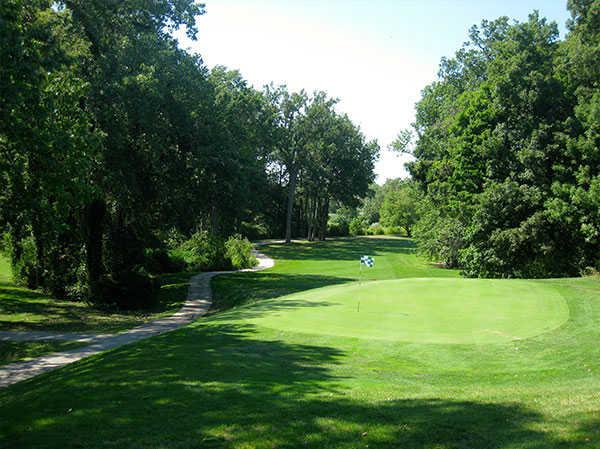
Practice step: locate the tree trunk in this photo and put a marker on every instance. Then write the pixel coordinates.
(290, 204)
(323, 219)
(95, 213)
(38, 238)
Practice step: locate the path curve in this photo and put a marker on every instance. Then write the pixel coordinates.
(197, 304)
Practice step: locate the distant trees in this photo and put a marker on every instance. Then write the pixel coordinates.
(391, 208)
(322, 155)
(399, 207)
(112, 139)
(508, 154)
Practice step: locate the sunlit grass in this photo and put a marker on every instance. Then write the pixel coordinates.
(225, 382)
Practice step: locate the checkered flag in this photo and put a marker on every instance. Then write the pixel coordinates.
(367, 260)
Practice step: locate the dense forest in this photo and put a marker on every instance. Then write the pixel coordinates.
(506, 170)
(119, 151)
(508, 149)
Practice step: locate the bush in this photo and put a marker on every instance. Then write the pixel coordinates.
(375, 229)
(202, 251)
(590, 272)
(159, 260)
(238, 250)
(24, 267)
(5, 243)
(358, 226)
(254, 230)
(394, 230)
(337, 226)
(440, 238)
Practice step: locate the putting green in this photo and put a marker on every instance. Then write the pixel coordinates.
(419, 310)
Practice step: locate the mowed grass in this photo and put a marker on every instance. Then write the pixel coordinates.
(226, 382)
(308, 265)
(413, 310)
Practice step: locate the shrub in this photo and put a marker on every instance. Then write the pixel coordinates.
(337, 226)
(24, 266)
(375, 229)
(254, 230)
(358, 226)
(394, 230)
(238, 250)
(202, 251)
(5, 243)
(441, 238)
(590, 272)
(159, 260)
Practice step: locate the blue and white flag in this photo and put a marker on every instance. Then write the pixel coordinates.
(367, 260)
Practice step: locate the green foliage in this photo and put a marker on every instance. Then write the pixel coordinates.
(238, 250)
(440, 237)
(23, 262)
(338, 224)
(113, 140)
(393, 230)
(358, 226)
(323, 156)
(255, 229)
(160, 260)
(399, 207)
(507, 155)
(202, 251)
(376, 229)
(23, 309)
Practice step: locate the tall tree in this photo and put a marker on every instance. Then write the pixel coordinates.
(289, 108)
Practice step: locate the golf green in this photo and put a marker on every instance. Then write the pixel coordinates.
(419, 310)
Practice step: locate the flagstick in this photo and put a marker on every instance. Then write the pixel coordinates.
(360, 274)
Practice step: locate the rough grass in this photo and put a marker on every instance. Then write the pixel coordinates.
(226, 383)
(24, 309)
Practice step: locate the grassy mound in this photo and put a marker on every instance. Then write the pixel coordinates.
(418, 310)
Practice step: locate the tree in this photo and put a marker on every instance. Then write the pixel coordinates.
(399, 208)
(288, 147)
(500, 154)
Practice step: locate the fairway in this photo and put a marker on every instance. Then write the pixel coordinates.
(419, 310)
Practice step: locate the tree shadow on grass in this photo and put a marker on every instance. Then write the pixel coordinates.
(219, 386)
(340, 248)
(236, 289)
(63, 315)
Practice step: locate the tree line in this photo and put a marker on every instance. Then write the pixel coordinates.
(507, 151)
(113, 139)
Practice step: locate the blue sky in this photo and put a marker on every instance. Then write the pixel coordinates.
(375, 56)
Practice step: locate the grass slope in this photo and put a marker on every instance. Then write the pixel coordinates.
(14, 351)
(23, 309)
(224, 382)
